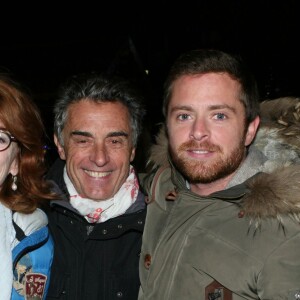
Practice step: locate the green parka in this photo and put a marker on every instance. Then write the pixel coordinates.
(239, 243)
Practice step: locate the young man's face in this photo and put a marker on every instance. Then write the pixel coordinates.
(97, 148)
(206, 127)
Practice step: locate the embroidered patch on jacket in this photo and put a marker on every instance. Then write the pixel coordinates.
(35, 286)
(27, 283)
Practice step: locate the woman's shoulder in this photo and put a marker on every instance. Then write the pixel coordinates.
(32, 222)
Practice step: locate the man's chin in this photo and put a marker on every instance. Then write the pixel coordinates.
(200, 177)
(96, 197)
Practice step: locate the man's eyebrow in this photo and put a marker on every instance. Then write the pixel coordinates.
(82, 133)
(118, 133)
(210, 107)
(181, 107)
(110, 134)
(222, 106)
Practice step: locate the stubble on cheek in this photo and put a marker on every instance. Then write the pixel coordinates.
(206, 171)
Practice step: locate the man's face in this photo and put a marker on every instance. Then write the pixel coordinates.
(206, 127)
(97, 148)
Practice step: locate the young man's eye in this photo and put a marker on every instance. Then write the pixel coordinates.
(219, 116)
(183, 117)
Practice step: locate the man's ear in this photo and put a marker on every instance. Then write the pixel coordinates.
(251, 131)
(132, 155)
(60, 148)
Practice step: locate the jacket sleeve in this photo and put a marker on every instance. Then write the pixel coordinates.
(280, 276)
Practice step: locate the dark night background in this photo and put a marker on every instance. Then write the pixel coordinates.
(43, 46)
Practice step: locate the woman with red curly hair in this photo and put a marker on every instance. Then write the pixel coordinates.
(26, 249)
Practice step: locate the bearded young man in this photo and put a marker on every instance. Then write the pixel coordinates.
(222, 221)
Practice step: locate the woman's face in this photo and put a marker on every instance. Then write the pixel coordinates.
(8, 160)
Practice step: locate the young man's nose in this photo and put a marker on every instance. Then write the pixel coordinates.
(199, 129)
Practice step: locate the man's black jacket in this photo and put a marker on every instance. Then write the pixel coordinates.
(93, 261)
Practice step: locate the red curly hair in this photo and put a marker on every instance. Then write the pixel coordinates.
(22, 119)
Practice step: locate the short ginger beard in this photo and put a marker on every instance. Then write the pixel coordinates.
(202, 172)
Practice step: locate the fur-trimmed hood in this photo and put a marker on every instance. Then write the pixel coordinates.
(278, 138)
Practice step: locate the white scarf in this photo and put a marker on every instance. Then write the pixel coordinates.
(6, 236)
(101, 211)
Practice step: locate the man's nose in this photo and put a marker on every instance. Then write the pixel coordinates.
(200, 129)
(99, 154)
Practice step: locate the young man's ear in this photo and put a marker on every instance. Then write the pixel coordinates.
(251, 131)
(60, 148)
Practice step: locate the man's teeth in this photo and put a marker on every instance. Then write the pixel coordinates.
(200, 151)
(97, 174)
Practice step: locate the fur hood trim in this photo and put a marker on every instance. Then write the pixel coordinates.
(274, 195)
